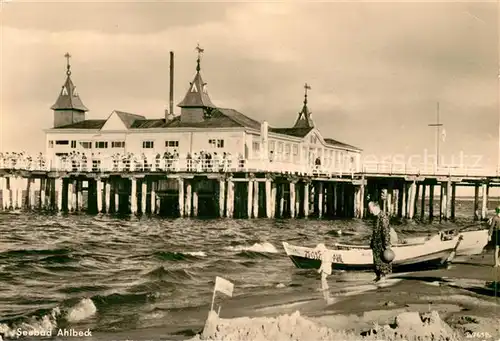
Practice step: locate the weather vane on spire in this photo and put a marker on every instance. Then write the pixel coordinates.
(200, 52)
(306, 87)
(68, 66)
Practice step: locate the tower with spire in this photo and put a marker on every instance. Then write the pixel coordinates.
(68, 108)
(196, 105)
(304, 120)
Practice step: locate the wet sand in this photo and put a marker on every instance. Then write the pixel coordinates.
(467, 309)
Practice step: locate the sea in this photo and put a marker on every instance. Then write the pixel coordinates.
(148, 278)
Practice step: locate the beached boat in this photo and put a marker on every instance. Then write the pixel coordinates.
(473, 242)
(432, 254)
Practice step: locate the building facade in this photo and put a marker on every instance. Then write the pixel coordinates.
(201, 127)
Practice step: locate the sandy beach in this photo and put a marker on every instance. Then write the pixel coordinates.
(452, 304)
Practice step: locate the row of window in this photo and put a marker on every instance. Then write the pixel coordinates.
(214, 143)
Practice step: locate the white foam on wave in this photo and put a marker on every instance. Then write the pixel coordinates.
(196, 253)
(257, 247)
(42, 325)
(81, 311)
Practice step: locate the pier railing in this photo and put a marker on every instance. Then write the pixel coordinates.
(152, 164)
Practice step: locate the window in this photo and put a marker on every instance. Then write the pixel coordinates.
(255, 146)
(62, 142)
(174, 144)
(216, 143)
(287, 151)
(73, 144)
(51, 144)
(295, 150)
(280, 147)
(86, 144)
(148, 144)
(101, 144)
(271, 146)
(118, 144)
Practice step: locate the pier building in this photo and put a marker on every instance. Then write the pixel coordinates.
(216, 162)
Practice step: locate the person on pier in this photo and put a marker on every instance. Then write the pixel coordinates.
(495, 231)
(380, 241)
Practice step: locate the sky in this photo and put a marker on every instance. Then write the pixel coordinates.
(376, 69)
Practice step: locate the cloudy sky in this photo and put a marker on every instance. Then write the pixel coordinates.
(376, 69)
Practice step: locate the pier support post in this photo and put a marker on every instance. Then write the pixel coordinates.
(59, 194)
(80, 195)
(282, 199)
(484, 210)
(255, 199)
(144, 195)
(27, 201)
(107, 196)
(306, 199)
(404, 204)
(453, 198)
(273, 199)
(99, 190)
(413, 193)
(389, 200)
(335, 203)
(448, 199)
(268, 199)
(357, 199)
(222, 197)
(422, 205)
(250, 197)
(292, 199)
(69, 196)
(133, 196)
(74, 196)
(320, 199)
(5, 193)
(117, 195)
(42, 193)
(443, 200)
(415, 200)
(187, 207)
(362, 201)
(155, 208)
(476, 201)
(431, 202)
(181, 198)
(230, 199)
(32, 195)
(195, 197)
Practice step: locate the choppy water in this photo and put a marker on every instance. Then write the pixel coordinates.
(116, 275)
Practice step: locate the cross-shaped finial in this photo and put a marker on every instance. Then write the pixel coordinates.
(307, 87)
(67, 56)
(200, 51)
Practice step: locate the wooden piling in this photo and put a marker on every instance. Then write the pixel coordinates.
(255, 199)
(133, 196)
(476, 201)
(154, 201)
(59, 194)
(431, 202)
(320, 198)
(273, 199)
(306, 199)
(189, 200)
(99, 189)
(222, 197)
(453, 200)
(404, 204)
(230, 198)
(144, 195)
(448, 199)
(107, 196)
(484, 209)
(250, 197)
(422, 204)
(268, 199)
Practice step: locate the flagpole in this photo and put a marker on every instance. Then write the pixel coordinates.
(438, 132)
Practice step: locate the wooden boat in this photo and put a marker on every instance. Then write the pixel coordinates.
(432, 254)
(473, 242)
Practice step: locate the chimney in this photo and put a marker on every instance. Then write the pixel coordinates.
(171, 108)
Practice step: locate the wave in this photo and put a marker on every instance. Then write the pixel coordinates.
(40, 252)
(167, 275)
(179, 256)
(252, 255)
(43, 322)
(257, 247)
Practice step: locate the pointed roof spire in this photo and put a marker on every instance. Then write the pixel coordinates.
(68, 97)
(197, 95)
(304, 120)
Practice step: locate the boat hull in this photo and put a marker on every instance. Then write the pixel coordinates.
(409, 258)
(473, 242)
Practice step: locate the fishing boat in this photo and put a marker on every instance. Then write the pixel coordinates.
(410, 257)
(473, 242)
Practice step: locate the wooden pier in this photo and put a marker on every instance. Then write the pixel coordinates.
(239, 189)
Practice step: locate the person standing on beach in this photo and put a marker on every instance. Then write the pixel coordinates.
(381, 241)
(495, 229)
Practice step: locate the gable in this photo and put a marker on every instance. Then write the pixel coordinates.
(314, 138)
(114, 122)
